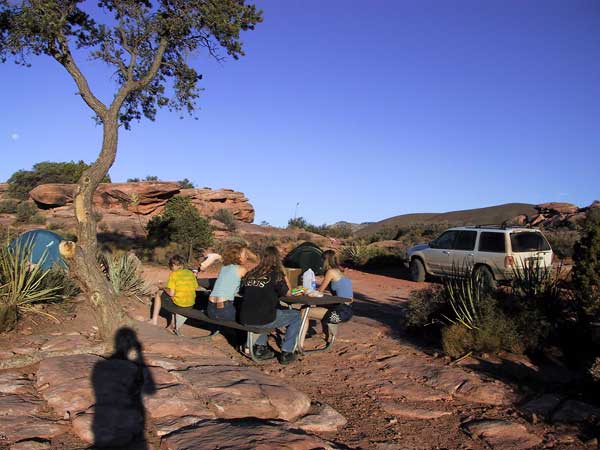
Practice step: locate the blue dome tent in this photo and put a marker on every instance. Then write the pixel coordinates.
(42, 242)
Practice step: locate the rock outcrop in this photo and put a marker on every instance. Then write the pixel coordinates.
(554, 215)
(126, 208)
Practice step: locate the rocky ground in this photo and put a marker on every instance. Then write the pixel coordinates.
(376, 389)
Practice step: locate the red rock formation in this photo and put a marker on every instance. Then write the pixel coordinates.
(208, 202)
(557, 207)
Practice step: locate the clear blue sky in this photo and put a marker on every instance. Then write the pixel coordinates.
(359, 110)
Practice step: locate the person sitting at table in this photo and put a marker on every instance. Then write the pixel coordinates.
(339, 285)
(262, 287)
(220, 303)
(180, 290)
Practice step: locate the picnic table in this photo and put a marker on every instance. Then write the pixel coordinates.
(306, 302)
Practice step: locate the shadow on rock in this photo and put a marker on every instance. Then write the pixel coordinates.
(119, 383)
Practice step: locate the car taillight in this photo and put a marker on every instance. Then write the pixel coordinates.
(509, 261)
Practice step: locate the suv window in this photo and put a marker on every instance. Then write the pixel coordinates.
(446, 240)
(465, 240)
(528, 241)
(492, 242)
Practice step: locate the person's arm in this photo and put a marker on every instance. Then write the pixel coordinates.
(170, 288)
(326, 281)
(242, 271)
(211, 258)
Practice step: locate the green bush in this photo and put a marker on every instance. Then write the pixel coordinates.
(563, 242)
(586, 268)
(226, 217)
(23, 181)
(186, 184)
(8, 206)
(23, 286)
(426, 307)
(125, 274)
(180, 223)
(358, 254)
(28, 213)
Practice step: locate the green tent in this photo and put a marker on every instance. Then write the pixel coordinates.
(306, 256)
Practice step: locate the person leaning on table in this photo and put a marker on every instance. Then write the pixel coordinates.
(339, 285)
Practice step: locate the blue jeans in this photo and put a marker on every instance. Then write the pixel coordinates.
(227, 312)
(289, 318)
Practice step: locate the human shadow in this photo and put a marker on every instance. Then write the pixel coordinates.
(119, 383)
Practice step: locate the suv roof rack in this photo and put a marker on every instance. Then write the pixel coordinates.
(498, 227)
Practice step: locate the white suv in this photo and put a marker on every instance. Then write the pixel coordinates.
(491, 252)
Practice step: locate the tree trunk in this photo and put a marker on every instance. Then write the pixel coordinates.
(104, 300)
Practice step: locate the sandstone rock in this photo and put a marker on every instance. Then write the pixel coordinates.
(557, 208)
(452, 380)
(542, 406)
(536, 220)
(167, 425)
(520, 220)
(503, 434)
(239, 392)
(3, 189)
(575, 411)
(107, 425)
(176, 401)
(241, 435)
(411, 412)
(19, 405)
(595, 205)
(20, 428)
(30, 445)
(577, 219)
(14, 383)
(156, 360)
(63, 343)
(325, 420)
(53, 371)
(53, 195)
(209, 201)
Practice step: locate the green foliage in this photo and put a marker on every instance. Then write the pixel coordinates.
(426, 307)
(22, 285)
(60, 277)
(125, 274)
(297, 222)
(358, 254)
(131, 38)
(151, 178)
(563, 242)
(8, 206)
(226, 217)
(258, 242)
(180, 223)
(23, 181)
(586, 267)
(186, 184)
(133, 180)
(28, 213)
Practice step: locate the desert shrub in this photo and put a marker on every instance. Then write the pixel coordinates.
(133, 180)
(125, 274)
(304, 237)
(358, 254)
(586, 267)
(387, 233)
(180, 223)
(258, 242)
(58, 276)
(28, 213)
(23, 181)
(426, 307)
(186, 184)
(563, 242)
(23, 286)
(341, 231)
(226, 217)
(8, 206)
(297, 222)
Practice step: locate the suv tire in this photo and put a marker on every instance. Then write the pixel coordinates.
(485, 277)
(417, 270)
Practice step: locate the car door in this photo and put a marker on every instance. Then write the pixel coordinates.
(462, 256)
(437, 256)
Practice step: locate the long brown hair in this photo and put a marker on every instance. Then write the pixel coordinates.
(270, 261)
(330, 261)
(232, 254)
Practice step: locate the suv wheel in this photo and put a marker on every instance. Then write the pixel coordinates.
(484, 276)
(417, 270)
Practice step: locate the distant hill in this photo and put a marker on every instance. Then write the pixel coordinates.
(480, 216)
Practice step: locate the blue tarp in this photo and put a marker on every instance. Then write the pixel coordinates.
(41, 241)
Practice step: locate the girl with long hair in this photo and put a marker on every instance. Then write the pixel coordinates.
(220, 303)
(262, 287)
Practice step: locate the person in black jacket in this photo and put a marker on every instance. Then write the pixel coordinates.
(262, 288)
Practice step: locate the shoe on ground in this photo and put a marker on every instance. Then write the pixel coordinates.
(287, 357)
(263, 352)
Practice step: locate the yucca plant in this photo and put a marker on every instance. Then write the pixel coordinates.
(464, 296)
(22, 285)
(533, 279)
(125, 274)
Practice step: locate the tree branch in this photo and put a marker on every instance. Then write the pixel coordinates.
(66, 59)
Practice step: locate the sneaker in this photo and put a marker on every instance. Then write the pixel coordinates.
(263, 352)
(287, 357)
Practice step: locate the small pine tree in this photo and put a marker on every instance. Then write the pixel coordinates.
(180, 223)
(586, 267)
(186, 184)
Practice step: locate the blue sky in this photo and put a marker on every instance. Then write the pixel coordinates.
(359, 110)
